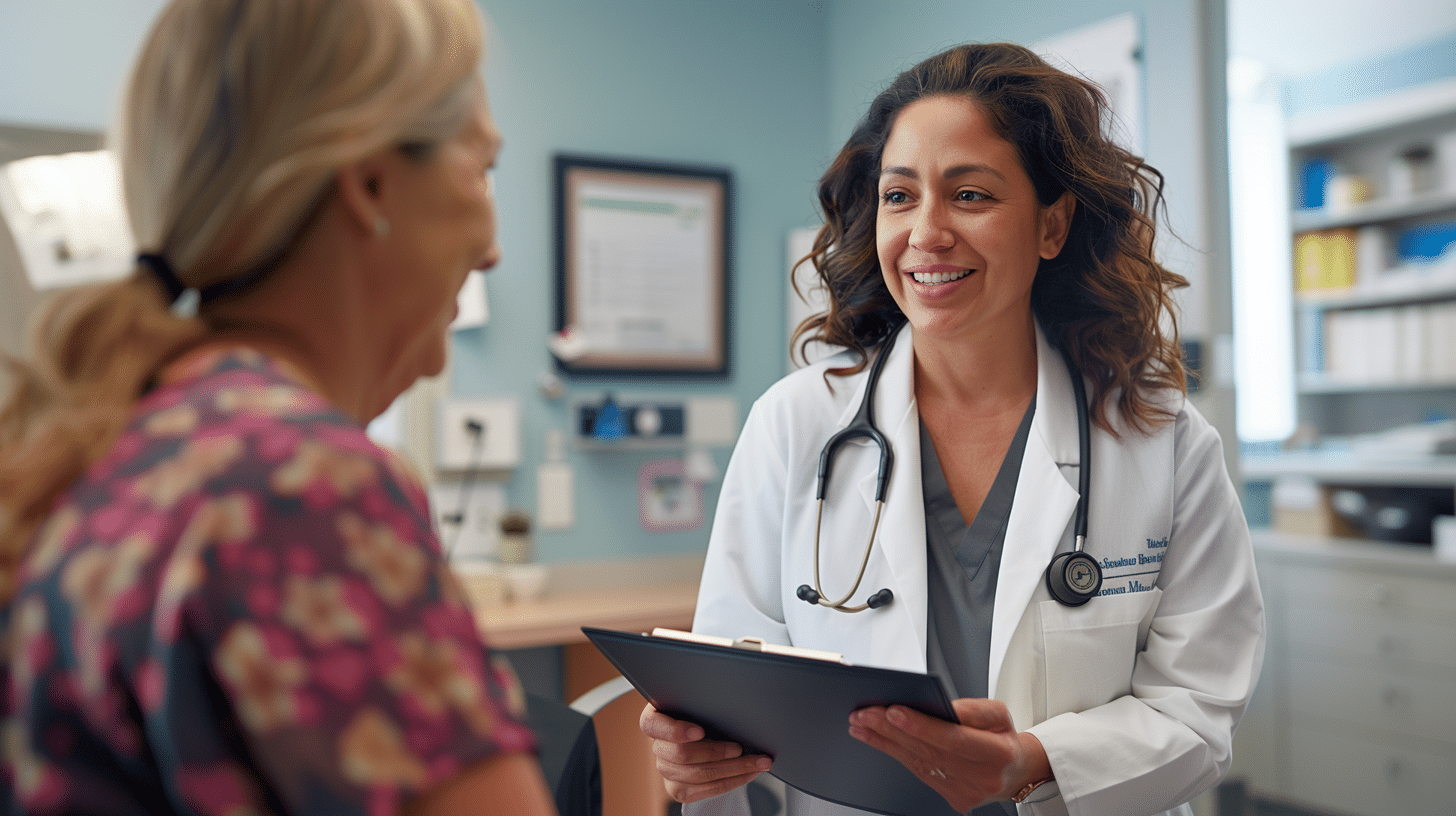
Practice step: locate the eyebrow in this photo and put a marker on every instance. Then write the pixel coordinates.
(950, 172)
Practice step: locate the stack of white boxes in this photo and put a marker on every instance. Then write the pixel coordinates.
(1406, 344)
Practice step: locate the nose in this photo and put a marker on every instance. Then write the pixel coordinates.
(491, 258)
(930, 231)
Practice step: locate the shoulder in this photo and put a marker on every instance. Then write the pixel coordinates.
(812, 390)
(1172, 412)
(246, 426)
(1182, 437)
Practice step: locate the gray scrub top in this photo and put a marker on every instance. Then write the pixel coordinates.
(962, 566)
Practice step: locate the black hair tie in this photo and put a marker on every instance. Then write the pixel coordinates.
(182, 299)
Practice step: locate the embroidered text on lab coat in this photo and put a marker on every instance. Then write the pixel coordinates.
(1133, 581)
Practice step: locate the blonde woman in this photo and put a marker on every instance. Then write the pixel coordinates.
(219, 595)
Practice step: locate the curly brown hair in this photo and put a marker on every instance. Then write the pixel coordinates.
(1103, 300)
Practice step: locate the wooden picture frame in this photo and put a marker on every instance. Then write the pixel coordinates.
(643, 267)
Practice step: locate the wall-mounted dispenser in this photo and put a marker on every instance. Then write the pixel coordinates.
(656, 422)
(650, 421)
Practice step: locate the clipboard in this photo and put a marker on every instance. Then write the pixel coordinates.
(795, 708)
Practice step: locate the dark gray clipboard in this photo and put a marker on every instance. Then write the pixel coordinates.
(795, 709)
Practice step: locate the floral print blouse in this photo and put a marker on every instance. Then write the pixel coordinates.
(242, 609)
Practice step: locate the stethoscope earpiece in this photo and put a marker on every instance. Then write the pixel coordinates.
(808, 594)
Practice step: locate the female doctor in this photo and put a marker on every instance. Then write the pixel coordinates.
(1088, 598)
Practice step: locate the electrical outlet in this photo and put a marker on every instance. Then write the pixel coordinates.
(499, 446)
(468, 529)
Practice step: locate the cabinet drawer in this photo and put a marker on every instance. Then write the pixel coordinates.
(1367, 592)
(1345, 773)
(1371, 638)
(1421, 706)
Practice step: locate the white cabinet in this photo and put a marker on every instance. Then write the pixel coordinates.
(1356, 709)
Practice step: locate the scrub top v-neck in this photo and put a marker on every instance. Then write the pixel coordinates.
(962, 566)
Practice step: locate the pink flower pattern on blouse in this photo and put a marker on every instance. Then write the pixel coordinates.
(242, 609)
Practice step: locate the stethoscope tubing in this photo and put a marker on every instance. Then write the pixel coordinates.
(1084, 459)
(863, 426)
(839, 605)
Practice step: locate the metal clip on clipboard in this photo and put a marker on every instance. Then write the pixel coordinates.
(751, 644)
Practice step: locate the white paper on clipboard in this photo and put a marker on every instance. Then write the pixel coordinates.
(645, 272)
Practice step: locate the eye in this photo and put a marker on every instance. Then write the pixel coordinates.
(971, 195)
(894, 197)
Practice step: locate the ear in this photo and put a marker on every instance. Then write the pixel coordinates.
(1056, 222)
(360, 191)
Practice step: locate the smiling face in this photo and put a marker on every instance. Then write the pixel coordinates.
(959, 231)
(441, 216)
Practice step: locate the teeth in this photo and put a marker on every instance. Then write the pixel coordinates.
(940, 277)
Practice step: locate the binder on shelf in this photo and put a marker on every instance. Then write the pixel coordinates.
(1411, 364)
(1384, 350)
(1312, 328)
(1441, 347)
(1324, 260)
(790, 704)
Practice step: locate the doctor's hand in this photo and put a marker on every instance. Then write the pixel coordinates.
(982, 759)
(692, 766)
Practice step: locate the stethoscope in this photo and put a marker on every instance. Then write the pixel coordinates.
(1073, 578)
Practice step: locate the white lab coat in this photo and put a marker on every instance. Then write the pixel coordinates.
(1135, 694)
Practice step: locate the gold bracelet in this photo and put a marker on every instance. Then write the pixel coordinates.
(1026, 791)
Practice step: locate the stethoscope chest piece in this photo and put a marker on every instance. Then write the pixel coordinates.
(1073, 578)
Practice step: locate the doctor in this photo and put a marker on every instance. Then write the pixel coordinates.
(992, 251)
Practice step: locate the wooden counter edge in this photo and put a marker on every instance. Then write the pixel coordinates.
(557, 618)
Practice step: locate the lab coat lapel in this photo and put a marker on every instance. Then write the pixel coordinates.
(1045, 500)
(901, 536)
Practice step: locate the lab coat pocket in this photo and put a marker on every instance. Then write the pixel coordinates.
(1091, 649)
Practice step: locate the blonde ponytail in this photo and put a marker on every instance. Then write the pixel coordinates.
(237, 116)
(96, 349)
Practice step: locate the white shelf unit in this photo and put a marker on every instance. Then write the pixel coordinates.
(1353, 713)
(1374, 212)
(1380, 352)
(1349, 468)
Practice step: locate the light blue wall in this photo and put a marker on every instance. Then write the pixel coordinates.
(63, 62)
(737, 84)
(768, 88)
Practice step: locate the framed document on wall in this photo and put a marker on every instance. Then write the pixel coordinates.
(643, 267)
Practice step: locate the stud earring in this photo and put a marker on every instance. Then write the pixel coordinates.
(381, 227)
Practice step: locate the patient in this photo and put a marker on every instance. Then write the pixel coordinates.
(216, 594)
